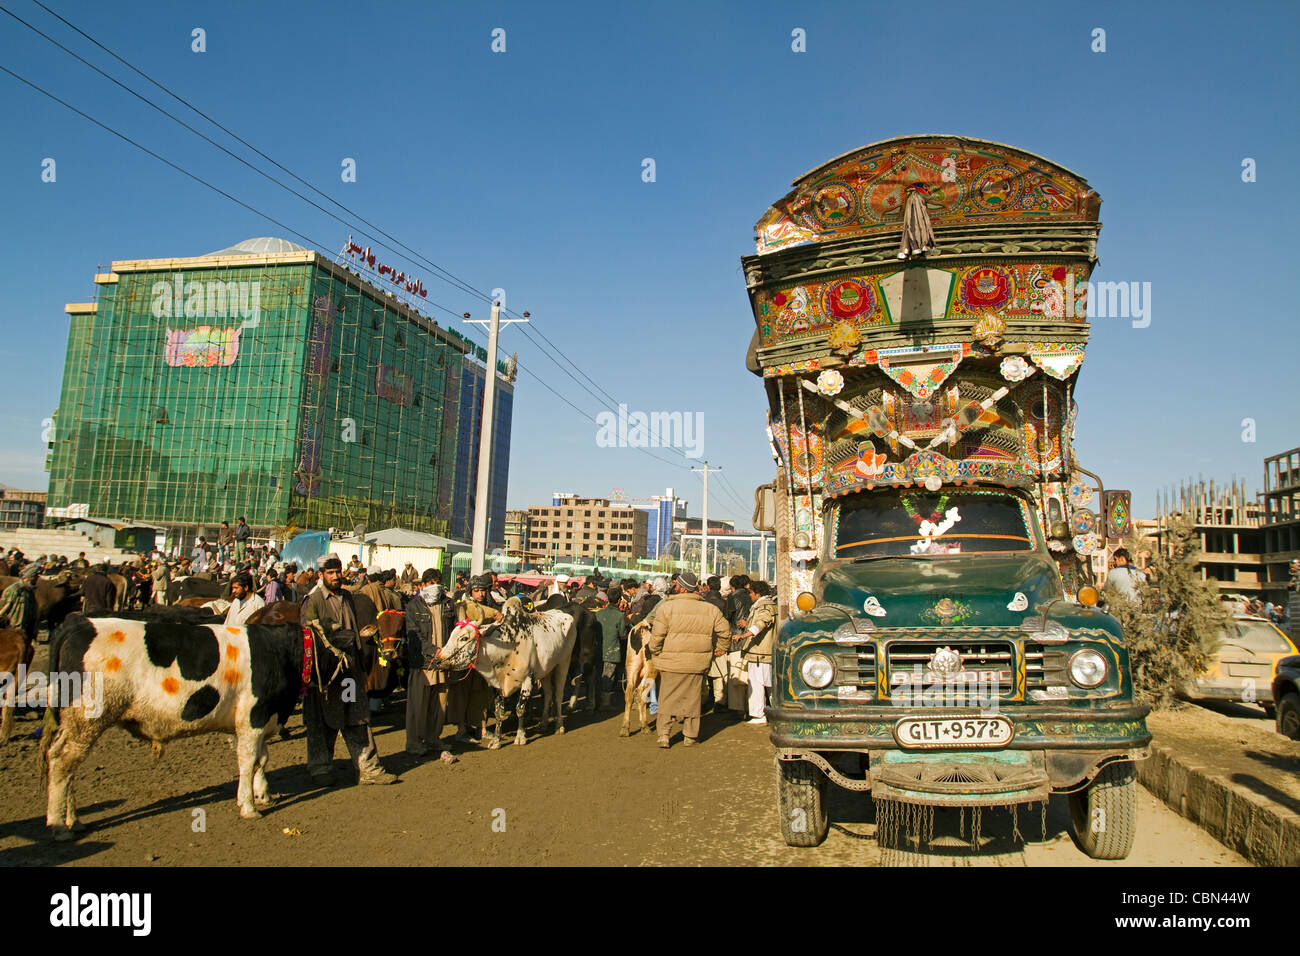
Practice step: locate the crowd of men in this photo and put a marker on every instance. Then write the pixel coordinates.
(704, 636)
(711, 639)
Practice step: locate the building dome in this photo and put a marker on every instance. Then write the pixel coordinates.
(260, 246)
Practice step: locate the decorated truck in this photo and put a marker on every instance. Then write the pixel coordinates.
(921, 320)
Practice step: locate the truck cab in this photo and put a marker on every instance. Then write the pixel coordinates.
(937, 644)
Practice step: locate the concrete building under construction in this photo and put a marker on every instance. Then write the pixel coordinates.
(1247, 540)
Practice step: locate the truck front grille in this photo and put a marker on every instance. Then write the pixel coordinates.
(990, 664)
(855, 673)
(1044, 666)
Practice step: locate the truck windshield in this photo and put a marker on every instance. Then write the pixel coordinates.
(888, 523)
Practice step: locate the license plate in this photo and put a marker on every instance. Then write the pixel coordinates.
(921, 733)
(1259, 671)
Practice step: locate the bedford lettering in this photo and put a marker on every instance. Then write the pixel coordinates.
(74, 909)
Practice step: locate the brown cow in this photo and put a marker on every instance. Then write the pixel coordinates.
(56, 597)
(276, 614)
(14, 652)
(641, 674)
(387, 632)
(119, 590)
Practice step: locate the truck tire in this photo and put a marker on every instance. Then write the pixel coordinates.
(801, 801)
(1288, 716)
(1103, 816)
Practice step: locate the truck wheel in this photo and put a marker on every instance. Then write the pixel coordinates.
(1103, 816)
(801, 800)
(1288, 716)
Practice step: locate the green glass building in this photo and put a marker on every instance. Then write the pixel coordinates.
(263, 380)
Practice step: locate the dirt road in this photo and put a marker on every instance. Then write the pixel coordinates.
(586, 798)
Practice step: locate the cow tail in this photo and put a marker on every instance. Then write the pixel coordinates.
(49, 725)
(50, 720)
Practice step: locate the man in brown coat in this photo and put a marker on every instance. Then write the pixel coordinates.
(686, 634)
(342, 709)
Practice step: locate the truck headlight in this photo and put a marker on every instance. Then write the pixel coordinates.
(1087, 668)
(817, 671)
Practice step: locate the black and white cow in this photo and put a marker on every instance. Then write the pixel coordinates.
(166, 677)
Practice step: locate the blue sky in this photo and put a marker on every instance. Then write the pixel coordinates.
(522, 170)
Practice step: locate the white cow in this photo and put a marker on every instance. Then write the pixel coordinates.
(486, 649)
(524, 649)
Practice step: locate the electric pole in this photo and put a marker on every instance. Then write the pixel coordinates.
(704, 522)
(487, 434)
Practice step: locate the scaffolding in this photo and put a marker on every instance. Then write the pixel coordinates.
(280, 387)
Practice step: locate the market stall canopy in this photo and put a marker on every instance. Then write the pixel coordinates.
(305, 547)
(405, 538)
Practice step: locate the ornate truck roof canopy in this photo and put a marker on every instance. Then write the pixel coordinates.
(921, 314)
(965, 181)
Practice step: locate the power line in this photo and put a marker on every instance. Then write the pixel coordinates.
(445, 274)
(731, 490)
(144, 99)
(442, 273)
(307, 239)
(164, 160)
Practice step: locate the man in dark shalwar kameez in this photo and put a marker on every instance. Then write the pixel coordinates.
(343, 707)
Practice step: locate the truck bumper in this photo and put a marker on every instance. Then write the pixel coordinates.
(1053, 751)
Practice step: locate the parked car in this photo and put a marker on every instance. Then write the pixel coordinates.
(1242, 669)
(1285, 689)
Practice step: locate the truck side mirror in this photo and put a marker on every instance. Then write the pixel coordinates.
(765, 507)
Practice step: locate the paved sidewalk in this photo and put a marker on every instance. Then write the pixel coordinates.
(1237, 781)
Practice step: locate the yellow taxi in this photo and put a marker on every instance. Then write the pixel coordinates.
(1243, 667)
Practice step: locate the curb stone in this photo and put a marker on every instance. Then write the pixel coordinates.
(1263, 833)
